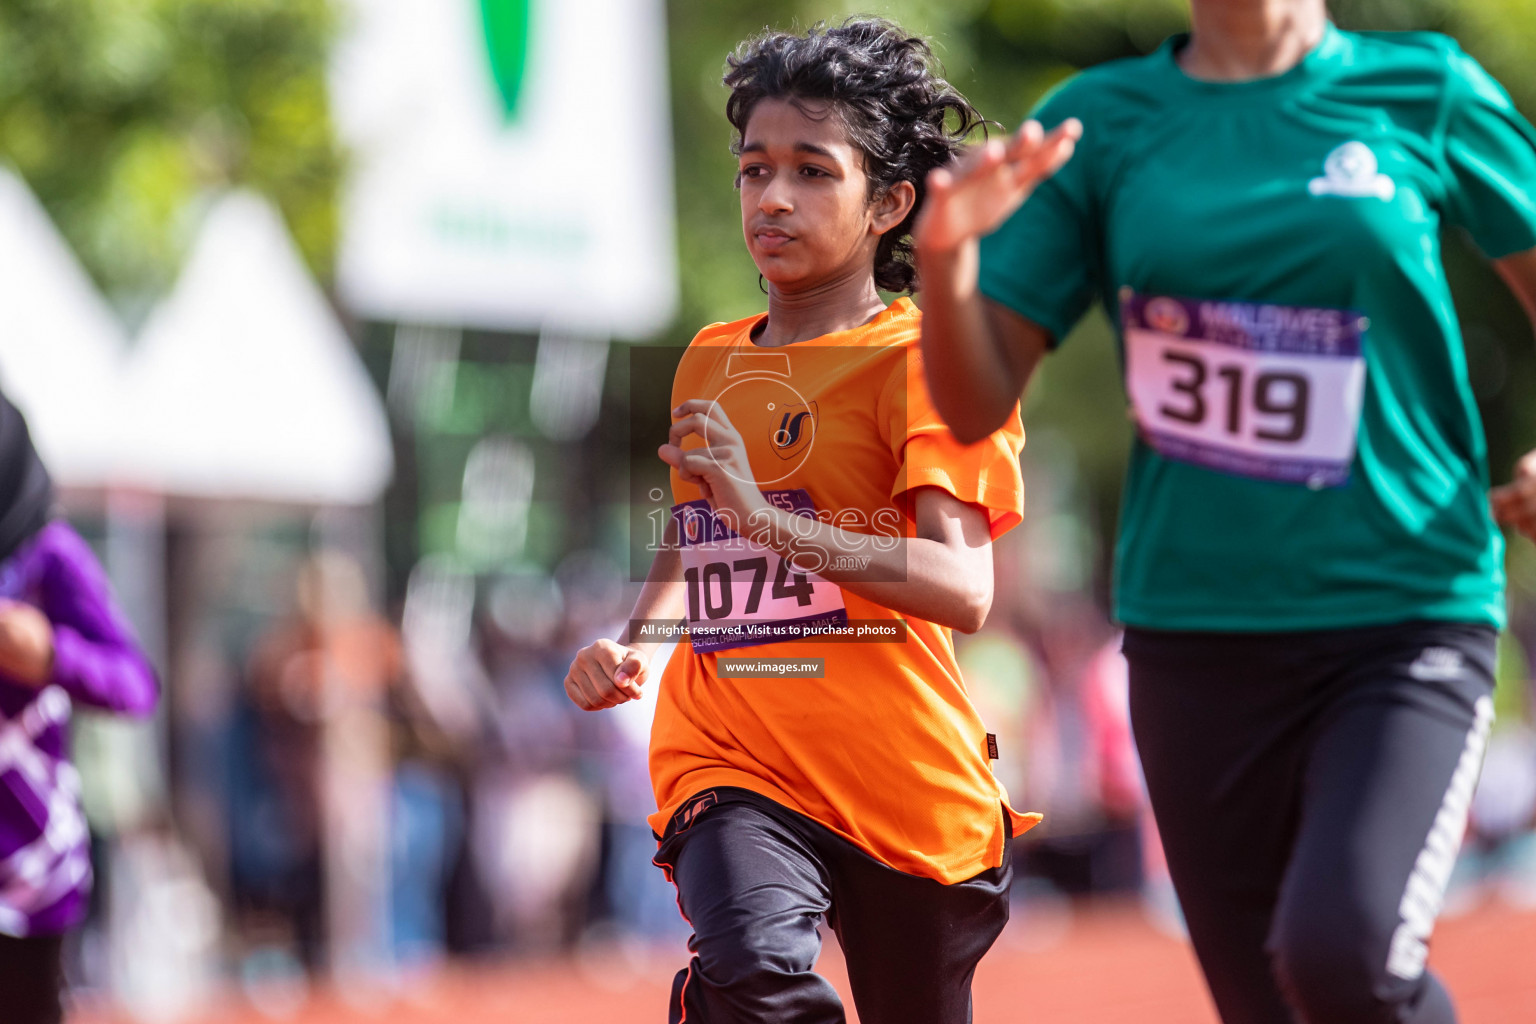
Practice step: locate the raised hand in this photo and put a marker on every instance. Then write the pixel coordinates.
(1514, 504)
(988, 183)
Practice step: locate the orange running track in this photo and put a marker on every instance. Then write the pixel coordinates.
(1061, 967)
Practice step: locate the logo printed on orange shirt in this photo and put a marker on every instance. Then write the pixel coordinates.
(797, 428)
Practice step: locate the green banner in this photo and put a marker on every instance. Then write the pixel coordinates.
(507, 30)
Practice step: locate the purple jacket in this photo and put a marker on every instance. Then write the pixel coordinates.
(45, 868)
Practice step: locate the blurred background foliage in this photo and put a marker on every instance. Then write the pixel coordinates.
(126, 115)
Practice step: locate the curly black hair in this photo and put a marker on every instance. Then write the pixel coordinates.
(885, 87)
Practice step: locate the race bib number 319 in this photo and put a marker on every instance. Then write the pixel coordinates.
(1251, 389)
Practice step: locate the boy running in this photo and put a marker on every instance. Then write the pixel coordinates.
(817, 490)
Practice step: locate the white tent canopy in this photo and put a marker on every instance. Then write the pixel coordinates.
(60, 345)
(244, 385)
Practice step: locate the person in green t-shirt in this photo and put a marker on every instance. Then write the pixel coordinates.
(1309, 568)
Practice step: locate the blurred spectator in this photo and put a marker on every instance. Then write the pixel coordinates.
(1083, 758)
(536, 838)
(351, 846)
(63, 641)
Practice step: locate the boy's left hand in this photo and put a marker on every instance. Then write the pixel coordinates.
(719, 467)
(26, 644)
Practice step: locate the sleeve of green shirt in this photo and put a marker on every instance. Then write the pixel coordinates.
(1042, 263)
(1490, 161)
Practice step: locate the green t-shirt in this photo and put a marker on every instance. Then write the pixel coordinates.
(1308, 452)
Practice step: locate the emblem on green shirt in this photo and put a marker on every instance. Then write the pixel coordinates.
(1351, 171)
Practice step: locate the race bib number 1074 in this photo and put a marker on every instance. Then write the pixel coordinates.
(742, 594)
(1251, 389)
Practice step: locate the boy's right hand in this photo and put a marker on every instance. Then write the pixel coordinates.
(606, 674)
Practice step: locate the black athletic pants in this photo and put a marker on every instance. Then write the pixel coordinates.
(1311, 790)
(754, 879)
(31, 980)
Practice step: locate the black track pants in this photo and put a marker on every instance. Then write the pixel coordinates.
(754, 879)
(31, 980)
(1311, 790)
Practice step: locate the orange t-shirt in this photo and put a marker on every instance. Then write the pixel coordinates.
(886, 749)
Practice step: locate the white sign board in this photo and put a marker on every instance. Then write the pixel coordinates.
(511, 164)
